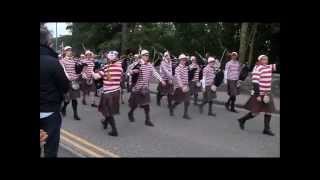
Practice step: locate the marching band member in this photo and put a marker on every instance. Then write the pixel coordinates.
(109, 103)
(181, 86)
(208, 86)
(87, 84)
(140, 95)
(73, 71)
(261, 99)
(194, 83)
(166, 75)
(231, 77)
(129, 71)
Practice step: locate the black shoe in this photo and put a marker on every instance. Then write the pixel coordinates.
(233, 110)
(268, 132)
(149, 123)
(241, 124)
(104, 124)
(211, 114)
(94, 105)
(227, 106)
(201, 108)
(186, 116)
(130, 116)
(76, 117)
(63, 112)
(113, 133)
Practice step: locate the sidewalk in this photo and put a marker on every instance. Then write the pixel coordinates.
(222, 97)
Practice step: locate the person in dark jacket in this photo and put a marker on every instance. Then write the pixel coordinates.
(53, 84)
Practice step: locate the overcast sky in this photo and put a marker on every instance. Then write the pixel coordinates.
(61, 28)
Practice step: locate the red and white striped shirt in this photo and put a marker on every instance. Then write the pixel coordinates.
(114, 72)
(232, 70)
(70, 68)
(181, 76)
(145, 74)
(196, 75)
(166, 70)
(208, 75)
(88, 70)
(263, 75)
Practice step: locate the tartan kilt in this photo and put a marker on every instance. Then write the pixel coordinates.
(233, 90)
(193, 87)
(165, 90)
(85, 88)
(109, 104)
(180, 96)
(138, 98)
(208, 94)
(255, 106)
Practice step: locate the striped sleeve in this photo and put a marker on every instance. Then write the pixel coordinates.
(156, 74)
(226, 69)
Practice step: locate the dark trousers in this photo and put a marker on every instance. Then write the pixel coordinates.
(51, 125)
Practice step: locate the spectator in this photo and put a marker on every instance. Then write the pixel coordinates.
(53, 84)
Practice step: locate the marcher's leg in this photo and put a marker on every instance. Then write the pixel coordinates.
(147, 114)
(159, 96)
(210, 113)
(130, 114)
(186, 106)
(64, 108)
(84, 102)
(171, 109)
(267, 130)
(75, 109)
(227, 104)
(93, 99)
(201, 106)
(114, 131)
(246, 117)
(195, 100)
(233, 100)
(105, 123)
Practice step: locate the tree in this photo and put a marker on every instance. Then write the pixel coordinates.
(243, 42)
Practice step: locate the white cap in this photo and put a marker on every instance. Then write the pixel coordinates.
(211, 59)
(234, 54)
(67, 48)
(262, 56)
(166, 53)
(144, 52)
(193, 58)
(88, 52)
(82, 55)
(182, 56)
(136, 55)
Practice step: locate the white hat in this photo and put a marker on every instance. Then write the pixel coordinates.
(136, 56)
(262, 56)
(211, 59)
(166, 53)
(193, 58)
(234, 54)
(144, 52)
(67, 48)
(88, 52)
(182, 56)
(82, 55)
(112, 55)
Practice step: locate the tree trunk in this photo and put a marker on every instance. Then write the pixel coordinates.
(251, 43)
(243, 42)
(124, 33)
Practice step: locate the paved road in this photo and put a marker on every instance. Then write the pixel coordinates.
(202, 136)
(63, 152)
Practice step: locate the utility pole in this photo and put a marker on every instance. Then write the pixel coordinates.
(56, 36)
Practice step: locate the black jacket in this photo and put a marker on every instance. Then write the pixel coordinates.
(53, 81)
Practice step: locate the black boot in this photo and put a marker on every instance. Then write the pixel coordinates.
(84, 100)
(147, 113)
(130, 114)
(185, 114)
(244, 119)
(114, 131)
(227, 104)
(159, 99)
(195, 99)
(105, 123)
(172, 108)
(75, 110)
(210, 110)
(64, 108)
(233, 104)
(267, 129)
